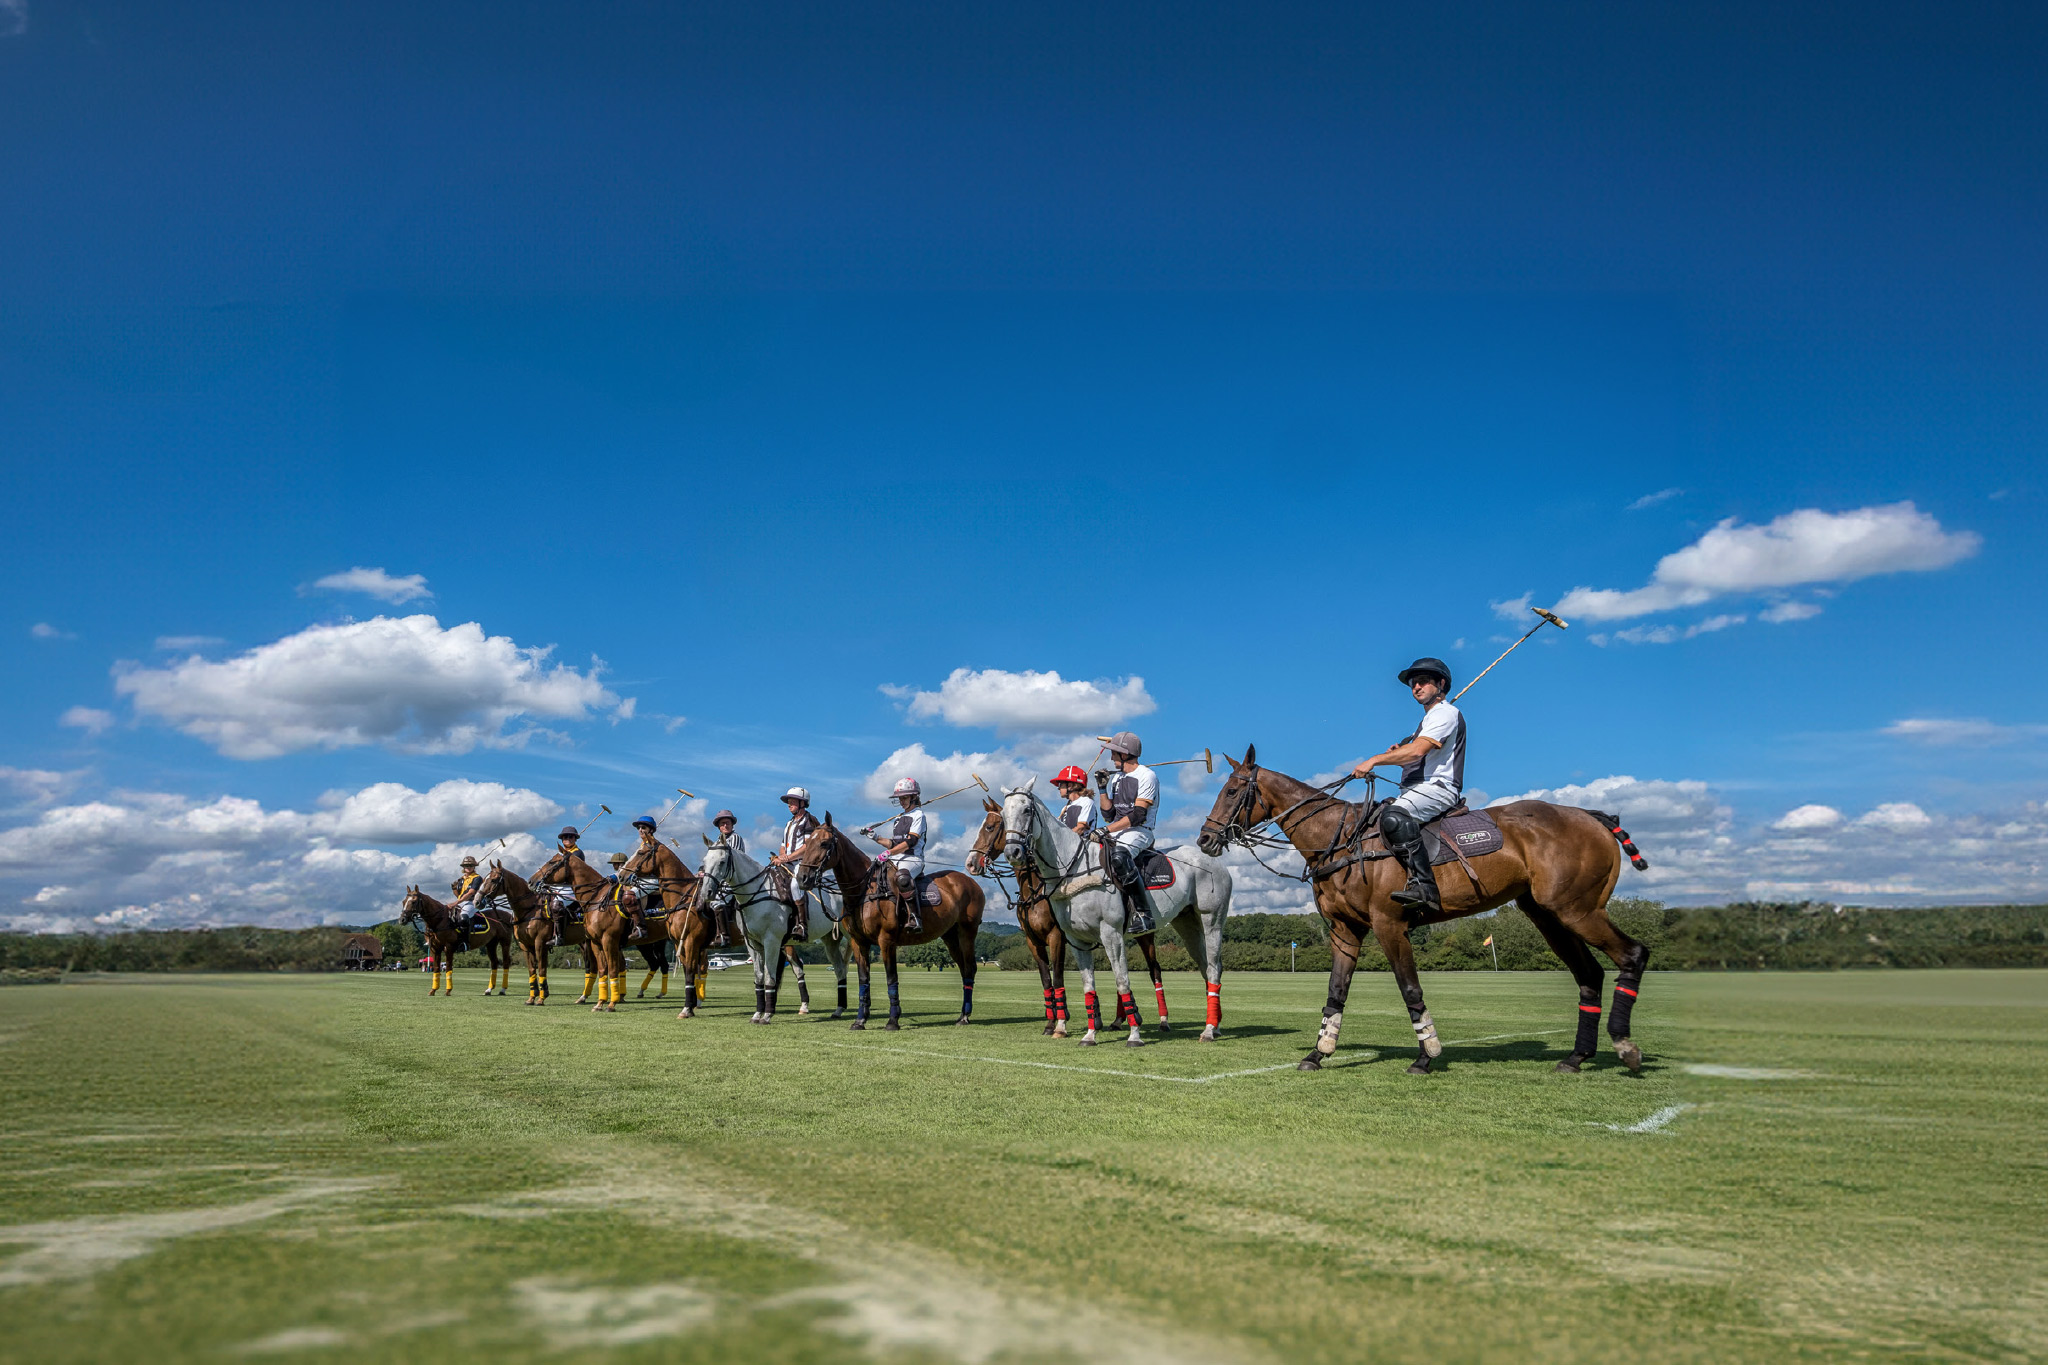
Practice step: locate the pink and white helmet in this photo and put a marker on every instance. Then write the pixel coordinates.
(906, 786)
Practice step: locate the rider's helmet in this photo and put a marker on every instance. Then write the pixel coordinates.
(644, 822)
(1425, 667)
(1070, 773)
(802, 794)
(469, 862)
(570, 832)
(617, 860)
(723, 816)
(1126, 743)
(906, 786)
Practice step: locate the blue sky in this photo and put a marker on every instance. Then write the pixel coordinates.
(770, 367)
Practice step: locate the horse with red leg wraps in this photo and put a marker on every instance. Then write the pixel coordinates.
(1558, 863)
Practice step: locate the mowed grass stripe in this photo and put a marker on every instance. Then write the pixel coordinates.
(1888, 1205)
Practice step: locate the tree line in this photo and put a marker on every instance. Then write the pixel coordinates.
(1752, 936)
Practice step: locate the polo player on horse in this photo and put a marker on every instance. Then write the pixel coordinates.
(464, 888)
(1432, 764)
(903, 848)
(801, 823)
(1130, 805)
(725, 918)
(565, 845)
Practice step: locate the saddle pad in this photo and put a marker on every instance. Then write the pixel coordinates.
(1156, 869)
(926, 891)
(1473, 831)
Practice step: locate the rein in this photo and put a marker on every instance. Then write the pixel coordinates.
(1234, 831)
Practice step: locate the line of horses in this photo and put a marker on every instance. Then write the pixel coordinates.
(1559, 864)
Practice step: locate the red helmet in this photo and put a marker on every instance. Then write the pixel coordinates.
(1070, 773)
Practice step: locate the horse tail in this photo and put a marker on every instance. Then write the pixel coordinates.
(1628, 845)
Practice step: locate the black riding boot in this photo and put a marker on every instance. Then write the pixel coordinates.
(1123, 870)
(906, 899)
(1403, 833)
(721, 918)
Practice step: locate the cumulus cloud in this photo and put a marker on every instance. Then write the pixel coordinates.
(1665, 635)
(1897, 817)
(157, 859)
(1026, 701)
(1809, 817)
(38, 786)
(43, 630)
(1513, 608)
(390, 812)
(1006, 766)
(375, 583)
(86, 718)
(402, 682)
(1802, 547)
(1652, 499)
(183, 644)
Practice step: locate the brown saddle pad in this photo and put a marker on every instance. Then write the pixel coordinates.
(1473, 831)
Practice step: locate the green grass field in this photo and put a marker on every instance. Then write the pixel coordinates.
(1810, 1167)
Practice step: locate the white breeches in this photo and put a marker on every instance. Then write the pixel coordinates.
(1136, 840)
(908, 862)
(1427, 800)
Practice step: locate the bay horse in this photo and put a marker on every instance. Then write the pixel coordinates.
(1090, 909)
(1042, 932)
(533, 929)
(691, 932)
(606, 926)
(765, 919)
(872, 918)
(446, 935)
(1558, 863)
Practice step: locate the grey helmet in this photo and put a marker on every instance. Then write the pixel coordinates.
(1124, 742)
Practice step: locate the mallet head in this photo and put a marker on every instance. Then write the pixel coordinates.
(1551, 617)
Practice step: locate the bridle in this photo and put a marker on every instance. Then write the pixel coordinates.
(1027, 836)
(1235, 829)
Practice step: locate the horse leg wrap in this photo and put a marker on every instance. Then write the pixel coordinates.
(1048, 1005)
(803, 992)
(895, 1005)
(689, 994)
(1588, 1040)
(1214, 1017)
(1625, 987)
(1059, 1003)
(1094, 1006)
(1425, 1033)
(842, 995)
(589, 982)
(663, 992)
(1326, 1036)
(1159, 991)
(760, 999)
(966, 998)
(1127, 1007)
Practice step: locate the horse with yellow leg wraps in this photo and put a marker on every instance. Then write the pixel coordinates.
(446, 935)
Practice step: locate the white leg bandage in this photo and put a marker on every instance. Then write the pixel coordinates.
(1326, 1040)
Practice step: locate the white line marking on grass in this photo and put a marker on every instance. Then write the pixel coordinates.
(1496, 1037)
(1357, 1058)
(1748, 1073)
(1653, 1124)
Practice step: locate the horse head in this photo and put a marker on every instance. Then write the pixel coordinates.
(1240, 807)
(715, 870)
(988, 841)
(1020, 820)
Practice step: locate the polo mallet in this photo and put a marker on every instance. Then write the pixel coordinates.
(1207, 760)
(672, 806)
(593, 820)
(977, 782)
(1549, 618)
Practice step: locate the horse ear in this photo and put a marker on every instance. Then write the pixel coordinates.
(705, 837)
(828, 819)
(1251, 754)
(990, 806)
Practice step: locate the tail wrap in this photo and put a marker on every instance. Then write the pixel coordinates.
(1628, 845)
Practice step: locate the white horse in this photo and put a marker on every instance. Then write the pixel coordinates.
(1090, 910)
(765, 921)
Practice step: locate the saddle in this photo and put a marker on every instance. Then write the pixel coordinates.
(1457, 835)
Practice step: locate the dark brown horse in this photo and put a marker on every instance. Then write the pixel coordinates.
(606, 925)
(446, 935)
(874, 919)
(678, 915)
(1558, 863)
(1042, 933)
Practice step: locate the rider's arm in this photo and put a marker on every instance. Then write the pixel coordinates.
(1414, 750)
(1123, 823)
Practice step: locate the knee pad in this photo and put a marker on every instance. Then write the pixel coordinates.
(904, 881)
(1398, 826)
(1122, 866)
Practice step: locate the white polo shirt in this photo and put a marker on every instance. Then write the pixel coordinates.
(1443, 766)
(1078, 814)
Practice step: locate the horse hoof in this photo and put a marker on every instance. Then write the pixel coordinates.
(1312, 1062)
(1570, 1065)
(1047, 1030)
(963, 1019)
(893, 1027)
(838, 1014)
(1058, 1031)
(1631, 1055)
(1418, 1067)
(857, 1026)
(1134, 1042)
(1164, 1028)
(1210, 1034)
(1088, 1040)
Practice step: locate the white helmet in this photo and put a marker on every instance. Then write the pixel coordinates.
(802, 794)
(906, 786)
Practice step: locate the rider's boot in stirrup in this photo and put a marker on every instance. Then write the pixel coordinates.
(800, 922)
(1137, 914)
(1403, 833)
(719, 920)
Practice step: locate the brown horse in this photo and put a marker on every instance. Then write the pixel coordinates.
(1042, 933)
(606, 926)
(678, 917)
(873, 918)
(446, 935)
(533, 930)
(1558, 863)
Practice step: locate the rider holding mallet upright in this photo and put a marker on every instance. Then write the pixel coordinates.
(1130, 807)
(1432, 764)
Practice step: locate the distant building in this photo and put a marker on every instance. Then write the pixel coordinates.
(361, 953)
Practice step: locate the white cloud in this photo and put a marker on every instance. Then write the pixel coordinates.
(376, 583)
(39, 786)
(1971, 731)
(1652, 499)
(1898, 817)
(43, 630)
(390, 812)
(1514, 608)
(183, 644)
(86, 718)
(1806, 546)
(1779, 613)
(1028, 701)
(1010, 765)
(13, 18)
(1665, 635)
(1809, 817)
(156, 859)
(402, 682)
